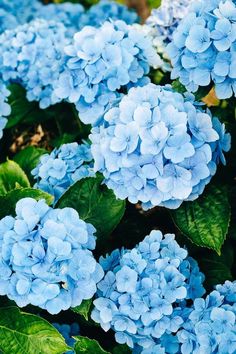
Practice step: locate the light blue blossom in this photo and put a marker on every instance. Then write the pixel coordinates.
(109, 10)
(126, 280)
(142, 296)
(69, 14)
(211, 324)
(203, 47)
(224, 34)
(223, 144)
(101, 61)
(5, 108)
(57, 171)
(46, 257)
(158, 147)
(72, 16)
(166, 18)
(198, 39)
(32, 55)
(19, 13)
(7, 20)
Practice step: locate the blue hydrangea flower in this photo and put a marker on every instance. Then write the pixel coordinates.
(68, 332)
(165, 19)
(158, 147)
(7, 20)
(100, 62)
(19, 13)
(57, 171)
(109, 10)
(45, 257)
(203, 47)
(5, 108)
(143, 294)
(70, 15)
(211, 325)
(32, 55)
(73, 16)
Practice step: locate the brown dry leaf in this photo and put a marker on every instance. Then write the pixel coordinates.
(34, 136)
(37, 137)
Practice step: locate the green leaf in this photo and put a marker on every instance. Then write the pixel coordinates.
(153, 4)
(95, 203)
(11, 176)
(23, 333)
(202, 92)
(205, 221)
(8, 201)
(86, 345)
(178, 87)
(20, 106)
(83, 309)
(29, 158)
(64, 139)
(217, 269)
(121, 349)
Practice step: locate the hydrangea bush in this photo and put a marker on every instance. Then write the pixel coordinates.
(57, 171)
(211, 324)
(203, 47)
(100, 62)
(45, 254)
(158, 147)
(115, 123)
(143, 294)
(166, 18)
(22, 50)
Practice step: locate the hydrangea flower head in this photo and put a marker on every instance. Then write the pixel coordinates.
(106, 10)
(57, 171)
(7, 20)
(32, 55)
(166, 18)
(100, 62)
(23, 11)
(46, 258)
(69, 14)
(158, 147)
(203, 48)
(72, 16)
(142, 296)
(211, 326)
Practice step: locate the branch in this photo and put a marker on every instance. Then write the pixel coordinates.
(141, 7)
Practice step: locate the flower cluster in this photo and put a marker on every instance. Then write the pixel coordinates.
(72, 16)
(7, 20)
(45, 257)
(68, 332)
(100, 62)
(166, 18)
(5, 108)
(203, 48)
(57, 171)
(109, 10)
(32, 55)
(158, 147)
(211, 325)
(142, 296)
(18, 12)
